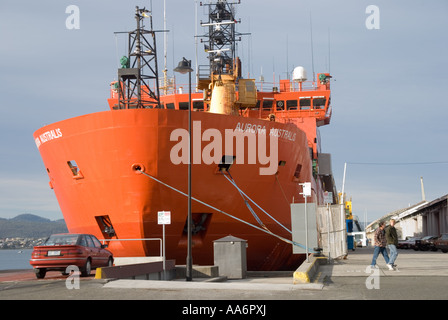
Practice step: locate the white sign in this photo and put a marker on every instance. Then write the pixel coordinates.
(328, 197)
(164, 217)
(306, 189)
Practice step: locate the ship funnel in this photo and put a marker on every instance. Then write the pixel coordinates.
(223, 97)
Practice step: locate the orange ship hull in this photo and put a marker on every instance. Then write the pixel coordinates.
(93, 161)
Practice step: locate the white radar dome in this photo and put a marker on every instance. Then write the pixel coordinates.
(299, 74)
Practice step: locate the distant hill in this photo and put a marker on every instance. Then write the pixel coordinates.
(30, 217)
(30, 226)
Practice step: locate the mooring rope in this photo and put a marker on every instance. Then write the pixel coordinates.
(227, 214)
(242, 194)
(232, 181)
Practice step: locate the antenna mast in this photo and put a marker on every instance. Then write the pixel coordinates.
(221, 37)
(219, 80)
(139, 68)
(312, 49)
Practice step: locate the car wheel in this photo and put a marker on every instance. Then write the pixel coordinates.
(110, 262)
(40, 273)
(444, 250)
(87, 268)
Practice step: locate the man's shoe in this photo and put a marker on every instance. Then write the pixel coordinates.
(390, 267)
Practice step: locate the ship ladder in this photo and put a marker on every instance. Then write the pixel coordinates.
(227, 214)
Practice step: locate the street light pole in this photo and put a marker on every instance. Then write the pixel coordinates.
(189, 273)
(183, 67)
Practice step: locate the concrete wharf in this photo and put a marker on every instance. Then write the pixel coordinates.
(420, 276)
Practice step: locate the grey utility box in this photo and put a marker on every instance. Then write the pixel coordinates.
(230, 257)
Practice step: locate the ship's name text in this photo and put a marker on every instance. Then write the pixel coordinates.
(48, 136)
(256, 128)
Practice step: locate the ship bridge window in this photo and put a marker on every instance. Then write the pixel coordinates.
(305, 103)
(319, 102)
(170, 106)
(257, 106)
(280, 105)
(291, 104)
(183, 105)
(267, 104)
(198, 105)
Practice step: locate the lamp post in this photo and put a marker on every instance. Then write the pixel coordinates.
(184, 67)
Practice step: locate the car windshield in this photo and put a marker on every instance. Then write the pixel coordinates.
(59, 239)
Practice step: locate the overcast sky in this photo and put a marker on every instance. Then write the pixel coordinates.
(388, 86)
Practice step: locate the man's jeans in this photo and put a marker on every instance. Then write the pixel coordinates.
(376, 251)
(393, 253)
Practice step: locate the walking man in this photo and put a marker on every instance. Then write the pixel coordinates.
(379, 240)
(392, 243)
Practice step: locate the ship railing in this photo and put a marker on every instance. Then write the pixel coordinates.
(141, 239)
(286, 86)
(203, 72)
(169, 86)
(262, 86)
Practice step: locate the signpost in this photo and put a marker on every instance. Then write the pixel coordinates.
(306, 192)
(163, 218)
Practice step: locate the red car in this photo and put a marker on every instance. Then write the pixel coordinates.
(59, 251)
(442, 243)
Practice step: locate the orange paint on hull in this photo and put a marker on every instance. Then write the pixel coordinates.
(108, 146)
